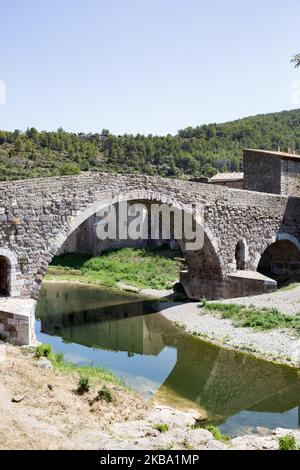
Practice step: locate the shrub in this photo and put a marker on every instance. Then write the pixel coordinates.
(287, 442)
(161, 427)
(69, 169)
(42, 350)
(105, 394)
(83, 385)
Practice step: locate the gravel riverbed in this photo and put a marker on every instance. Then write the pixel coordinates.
(281, 345)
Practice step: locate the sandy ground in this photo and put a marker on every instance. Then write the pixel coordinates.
(58, 418)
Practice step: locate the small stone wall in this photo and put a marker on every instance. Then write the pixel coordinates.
(17, 321)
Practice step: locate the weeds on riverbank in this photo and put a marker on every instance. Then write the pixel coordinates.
(288, 442)
(161, 427)
(105, 394)
(155, 267)
(95, 374)
(216, 432)
(83, 385)
(249, 316)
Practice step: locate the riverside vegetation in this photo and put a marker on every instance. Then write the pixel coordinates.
(193, 152)
(252, 317)
(155, 267)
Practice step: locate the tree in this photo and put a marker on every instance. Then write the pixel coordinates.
(296, 60)
(69, 169)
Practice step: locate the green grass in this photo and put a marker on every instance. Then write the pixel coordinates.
(249, 316)
(156, 268)
(94, 374)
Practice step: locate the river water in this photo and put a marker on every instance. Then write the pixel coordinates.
(129, 336)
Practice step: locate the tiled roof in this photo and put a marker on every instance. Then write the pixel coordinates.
(235, 176)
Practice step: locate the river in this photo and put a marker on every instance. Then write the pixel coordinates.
(128, 335)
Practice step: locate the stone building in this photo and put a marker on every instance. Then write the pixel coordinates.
(272, 172)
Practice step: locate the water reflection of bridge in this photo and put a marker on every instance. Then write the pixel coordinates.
(222, 382)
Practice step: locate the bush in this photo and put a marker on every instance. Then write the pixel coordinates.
(287, 442)
(42, 350)
(69, 169)
(105, 394)
(83, 385)
(161, 427)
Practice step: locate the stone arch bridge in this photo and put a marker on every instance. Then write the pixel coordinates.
(38, 215)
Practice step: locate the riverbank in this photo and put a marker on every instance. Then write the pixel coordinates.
(40, 409)
(120, 286)
(279, 344)
(138, 268)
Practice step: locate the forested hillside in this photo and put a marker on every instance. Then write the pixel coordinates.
(193, 152)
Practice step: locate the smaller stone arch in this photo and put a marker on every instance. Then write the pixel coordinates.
(281, 259)
(291, 238)
(10, 282)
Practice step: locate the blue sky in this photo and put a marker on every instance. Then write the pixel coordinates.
(148, 66)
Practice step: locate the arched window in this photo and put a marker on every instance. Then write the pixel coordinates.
(241, 255)
(5, 274)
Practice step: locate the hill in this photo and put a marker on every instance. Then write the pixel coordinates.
(192, 152)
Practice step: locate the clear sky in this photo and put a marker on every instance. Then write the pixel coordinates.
(148, 66)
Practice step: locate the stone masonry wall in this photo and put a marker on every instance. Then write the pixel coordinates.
(262, 172)
(272, 172)
(290, 177)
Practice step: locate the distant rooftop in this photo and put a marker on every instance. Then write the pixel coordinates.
(273, 153)
(234, 176)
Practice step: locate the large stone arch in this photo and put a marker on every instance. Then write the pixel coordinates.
(207, 260)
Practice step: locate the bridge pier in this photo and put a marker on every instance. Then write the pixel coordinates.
(17, 321)
(237, 284)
